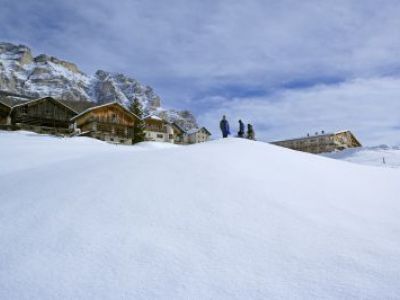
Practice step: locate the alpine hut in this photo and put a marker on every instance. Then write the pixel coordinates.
(109, 122)
(43, 115)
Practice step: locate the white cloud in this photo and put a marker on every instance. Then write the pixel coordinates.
(196, 52)
(368, 107)
(215, 42)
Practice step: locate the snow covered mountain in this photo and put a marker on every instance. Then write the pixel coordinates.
(227, 219)
(22, 73)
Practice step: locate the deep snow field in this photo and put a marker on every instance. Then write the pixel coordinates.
(228, 219)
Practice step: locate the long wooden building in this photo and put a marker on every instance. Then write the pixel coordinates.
(43, 115)
(320, 143)
(110, 122)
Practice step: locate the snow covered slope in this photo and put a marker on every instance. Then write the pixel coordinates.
(228, 219)
(380, 156)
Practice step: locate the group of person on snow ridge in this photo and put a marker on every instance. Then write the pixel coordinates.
(224, 125)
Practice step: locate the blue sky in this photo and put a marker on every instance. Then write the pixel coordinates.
(288, 67)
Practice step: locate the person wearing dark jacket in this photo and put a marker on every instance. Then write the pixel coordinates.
(224, 125)
(250, 132)
(241, 129)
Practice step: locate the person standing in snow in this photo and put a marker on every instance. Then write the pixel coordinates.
(241, 129)
(250, 132)
(224, 125)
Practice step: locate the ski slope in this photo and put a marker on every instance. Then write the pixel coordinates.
(228, 219)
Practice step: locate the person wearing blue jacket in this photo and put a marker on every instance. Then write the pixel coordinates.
(224, 125)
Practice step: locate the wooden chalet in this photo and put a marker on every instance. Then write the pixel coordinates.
(5, 114)
(200, 135)
(109, 122)
(324, 142)
(158, 130)
(43, 115)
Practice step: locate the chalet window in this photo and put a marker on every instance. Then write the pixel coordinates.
(114, 118)
(171, 136)
(160, 136)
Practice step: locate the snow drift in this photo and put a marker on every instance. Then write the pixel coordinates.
(233, 219)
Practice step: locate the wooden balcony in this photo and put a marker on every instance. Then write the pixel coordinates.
(114, 129)
(156, 129)
(40, 121)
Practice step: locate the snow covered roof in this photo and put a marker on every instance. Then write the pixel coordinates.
(179, 127)
(102, 106)
(153, 117)
(340, 131)
(206, 130)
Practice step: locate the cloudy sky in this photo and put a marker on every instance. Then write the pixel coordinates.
(288, 67)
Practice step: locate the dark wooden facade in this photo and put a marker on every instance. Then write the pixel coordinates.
(4, 113)
(43, 115)
(109, 122)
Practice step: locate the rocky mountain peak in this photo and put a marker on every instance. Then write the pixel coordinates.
(17, 53)
(44, 75)
(116, 86)
(43, 58)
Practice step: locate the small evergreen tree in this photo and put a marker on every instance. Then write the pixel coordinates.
(139, 126)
